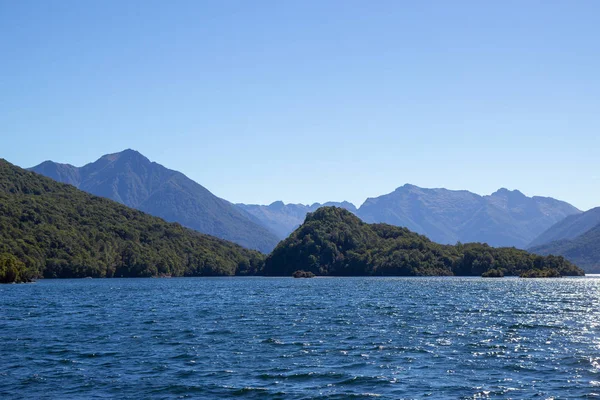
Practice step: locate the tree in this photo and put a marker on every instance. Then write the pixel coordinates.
(12, 270)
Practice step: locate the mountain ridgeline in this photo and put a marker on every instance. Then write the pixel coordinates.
(53, 230)
(584, 250)
(131, 179)
(282, 218)
(570, 227)
(577, 238)
(334, 242)
(504, 218)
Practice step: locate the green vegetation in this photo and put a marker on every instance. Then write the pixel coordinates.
(53, 230)
(540, 273)
(13, 270)
(303, 274)
(493, 273)
(333, 241)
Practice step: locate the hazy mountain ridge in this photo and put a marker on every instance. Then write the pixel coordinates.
(133, 180)
(569, 228)
(576, 237)
(282, 219)
(65, 173)
(584, 250)
(504, 218)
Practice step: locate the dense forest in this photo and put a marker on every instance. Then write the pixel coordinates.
(333, 241)
(53, 230)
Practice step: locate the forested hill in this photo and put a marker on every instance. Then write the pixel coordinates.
(54, 230)
(333, 241)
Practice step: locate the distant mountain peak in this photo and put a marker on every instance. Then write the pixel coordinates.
(504, 218)
(127, 154)
(508, 192)
(282, 219)
(407, 186)
(47, 163)
(65, 173)
(344, 204)
(132, 179)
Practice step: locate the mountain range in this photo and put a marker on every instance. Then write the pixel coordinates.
(133, 180)
(282, 219)
(54, 230)
(576, 237)
(569, 228)
(504, 218)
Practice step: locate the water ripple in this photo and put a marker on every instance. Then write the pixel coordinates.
(331, 338)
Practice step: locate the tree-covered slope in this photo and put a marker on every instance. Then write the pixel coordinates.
(584, 250)
(504, 218)
(58, 231)
(333, 241)
(131, 179)
(569, 228)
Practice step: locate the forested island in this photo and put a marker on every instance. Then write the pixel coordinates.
(334, 242)
(53, 230)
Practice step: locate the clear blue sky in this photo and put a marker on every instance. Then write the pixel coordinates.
(306, 101)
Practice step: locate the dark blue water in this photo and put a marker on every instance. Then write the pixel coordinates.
(300, 338)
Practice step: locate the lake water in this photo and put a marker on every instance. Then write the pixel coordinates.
(300, 338)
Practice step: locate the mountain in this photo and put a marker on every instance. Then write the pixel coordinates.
(583, 249)
(333, 241)
(569, 228)
(131, 179)
(577, 238)
(54, 230)
(504, 218)
(282, 219)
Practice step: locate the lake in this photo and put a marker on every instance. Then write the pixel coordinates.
(290, 338)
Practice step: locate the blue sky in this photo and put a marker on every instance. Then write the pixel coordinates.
(306, 101)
